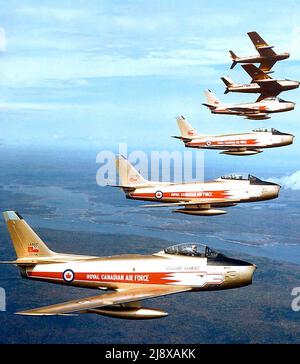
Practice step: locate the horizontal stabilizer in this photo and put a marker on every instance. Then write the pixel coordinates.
(211, 107)
(182, 138)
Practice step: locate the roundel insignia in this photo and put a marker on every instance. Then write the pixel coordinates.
(68, 275)
(208, 143)
(158, 195)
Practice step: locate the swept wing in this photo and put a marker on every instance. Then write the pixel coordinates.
(108, 299)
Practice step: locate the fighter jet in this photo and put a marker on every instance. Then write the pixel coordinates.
(201, 198)
(131, 278)
(260, 83)
(252, 110)
(267, 57)
(233, 144)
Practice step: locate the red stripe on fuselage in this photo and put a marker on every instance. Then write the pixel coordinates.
(110, 277)
(234, 142)
(184, 194)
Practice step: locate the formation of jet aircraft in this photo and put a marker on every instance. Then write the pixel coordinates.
(268, 87)
(201, 198)
(242, 144)
(179, 268)
(130, 278)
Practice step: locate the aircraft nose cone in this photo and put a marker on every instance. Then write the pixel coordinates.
(270, 191)
(288, 139)
(275, 189)
(246, 274)
(292, 105)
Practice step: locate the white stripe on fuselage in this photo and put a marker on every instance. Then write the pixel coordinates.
(191, 271)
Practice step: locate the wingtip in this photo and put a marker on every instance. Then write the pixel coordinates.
(29, 313)
(38, 313)
(11, 215)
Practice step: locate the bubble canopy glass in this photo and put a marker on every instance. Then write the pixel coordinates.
(198, 250)
(235, 176)
(193, 250)
(272, 130)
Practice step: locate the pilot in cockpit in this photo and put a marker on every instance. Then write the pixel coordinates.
(191, 250)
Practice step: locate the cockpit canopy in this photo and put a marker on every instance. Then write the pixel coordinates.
(193, 250)
(246, 177)
(235, 176)
(202, 251)
(274, 99)
(272, 130)
(280, 100)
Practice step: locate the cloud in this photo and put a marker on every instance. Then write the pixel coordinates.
(2, 40)
(291, 182)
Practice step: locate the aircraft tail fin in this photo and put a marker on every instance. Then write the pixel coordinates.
(129, 176)
(186, 130)
(234, 58)
(212, 101)
(228, 82)
(26, 242)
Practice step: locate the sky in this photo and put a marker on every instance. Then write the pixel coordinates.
(92, 74)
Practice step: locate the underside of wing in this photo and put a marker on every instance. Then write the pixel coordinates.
(267, 65)
(266, 51)
(203, 204)
(268, 83)
(263, 48)
(267, 94)
(91, 304)
(255, 73)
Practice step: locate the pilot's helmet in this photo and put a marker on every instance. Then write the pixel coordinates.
(194, 247)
